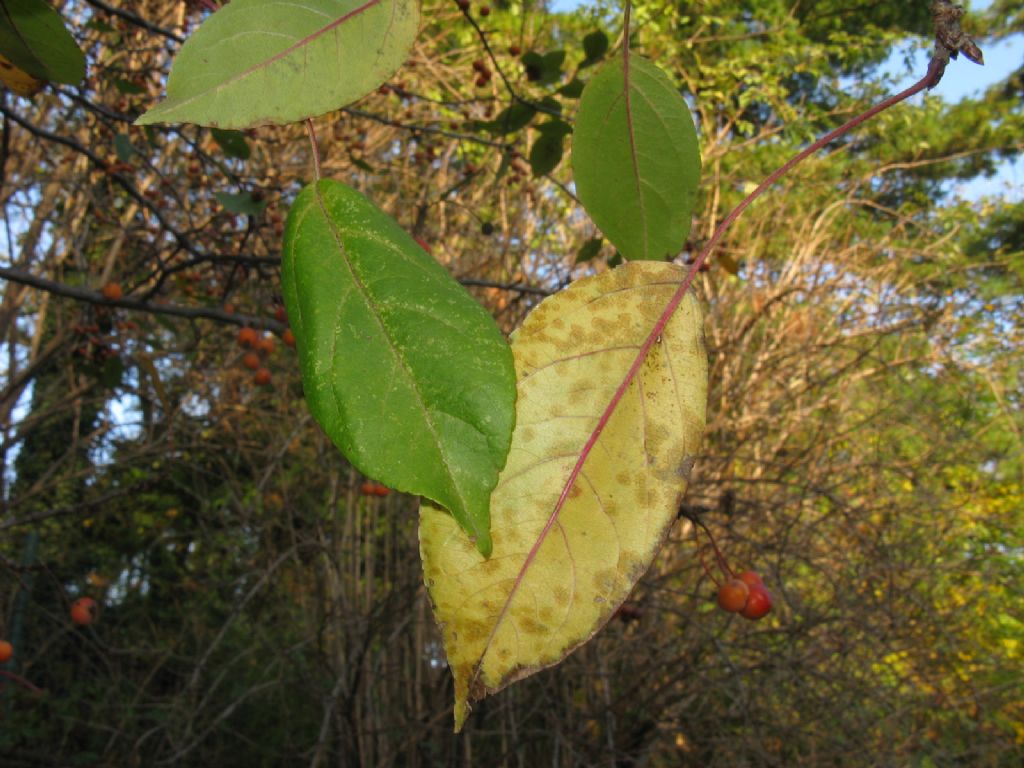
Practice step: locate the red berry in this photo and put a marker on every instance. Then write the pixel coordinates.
(368, 489)
(83, 611)
(288, 337)
(485, 10)
(247, 337)
(463, 5)
(759, 603)
(265, 345)
(514, 50)
(481, 81)
(262, 377)
(479, 66)
(280, 314)
(751, 579)
(251, 361)
(380, 490)
(423, 244)
(6, 651)
(732, 596)
(112, 292)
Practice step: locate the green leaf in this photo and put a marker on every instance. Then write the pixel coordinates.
(255, 62)
(233, 143)
(123, 147)
(595, 46)
(34, 39)
(543, 69)
(546, 152)
(552, 105)
(405, 372)
(555, 127)
(589, 250)
(510, 119)
(573, 89)
(242, 202)
(361, 164)
(127, 86)
(636, 160)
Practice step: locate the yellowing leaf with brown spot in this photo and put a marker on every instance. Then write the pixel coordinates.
(553, 580)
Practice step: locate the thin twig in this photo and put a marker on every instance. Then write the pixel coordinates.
(95, 297)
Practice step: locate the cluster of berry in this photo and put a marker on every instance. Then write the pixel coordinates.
(746, 595)
(373, 489)
(262, 346)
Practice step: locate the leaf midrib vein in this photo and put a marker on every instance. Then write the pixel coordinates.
(361, 287)
(308, 39)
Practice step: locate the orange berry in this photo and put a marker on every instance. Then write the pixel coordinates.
(759, 603)
(265, 345)
(368, 489)
(112, 292)
(380, 490)
(247, 337)
(262, 377)
(732, 596)
(6, 651)
(288, 337)
(83, 611)
(251, 361)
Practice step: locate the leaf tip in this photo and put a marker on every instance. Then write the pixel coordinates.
(147, 118)
(484, 544)
(462, 708)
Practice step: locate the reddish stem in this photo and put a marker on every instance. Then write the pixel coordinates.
(19, 679)
(723, 564)
(935, 69)
(703, 562)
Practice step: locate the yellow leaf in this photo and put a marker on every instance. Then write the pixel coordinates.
(18, 80)
(554, 579)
